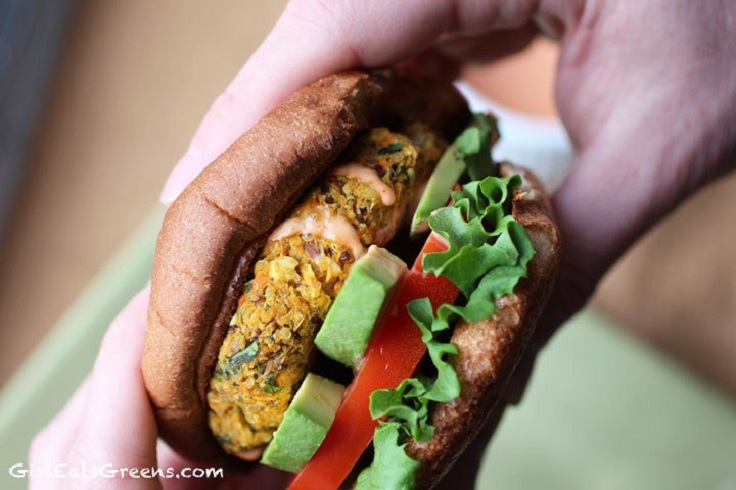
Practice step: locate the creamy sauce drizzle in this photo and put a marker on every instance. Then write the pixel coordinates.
(320, 222)
(370, 177)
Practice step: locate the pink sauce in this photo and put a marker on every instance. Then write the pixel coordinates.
(320, 222)
(370, 177)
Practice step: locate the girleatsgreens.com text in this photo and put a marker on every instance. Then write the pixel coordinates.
(108, 471)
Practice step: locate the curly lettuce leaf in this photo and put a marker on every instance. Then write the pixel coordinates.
(446, 386)
(488, 251)
(475, 143)
(392, 468)
(407, 404)
(469, 154)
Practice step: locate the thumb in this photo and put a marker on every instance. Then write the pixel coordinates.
(117, 430)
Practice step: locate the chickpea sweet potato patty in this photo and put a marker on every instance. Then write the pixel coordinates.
(270, 344)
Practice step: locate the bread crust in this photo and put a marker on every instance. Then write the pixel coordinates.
(215, 228)
(489, 350)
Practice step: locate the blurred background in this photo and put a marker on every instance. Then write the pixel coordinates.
(98, 100)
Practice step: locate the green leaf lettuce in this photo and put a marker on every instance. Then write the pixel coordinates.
(487, 255)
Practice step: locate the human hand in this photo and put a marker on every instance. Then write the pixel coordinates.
(108, 426)
(635, 90)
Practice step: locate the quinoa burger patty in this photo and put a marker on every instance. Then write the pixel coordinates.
(270, 343)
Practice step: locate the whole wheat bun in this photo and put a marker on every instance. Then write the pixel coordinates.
(213, 231)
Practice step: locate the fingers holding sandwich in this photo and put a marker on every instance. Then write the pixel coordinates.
(313, 39)
(108, 424)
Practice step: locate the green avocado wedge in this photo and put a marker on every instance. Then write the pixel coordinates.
(305, 424)
(349, 323)
(437, 192)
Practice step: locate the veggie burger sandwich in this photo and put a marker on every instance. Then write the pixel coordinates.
(293, 320)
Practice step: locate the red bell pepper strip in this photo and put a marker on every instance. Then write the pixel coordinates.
(392, 356)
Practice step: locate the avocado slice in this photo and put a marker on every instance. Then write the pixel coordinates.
(470, 151)
(305, 424)
(437, 192)
(349, 323)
